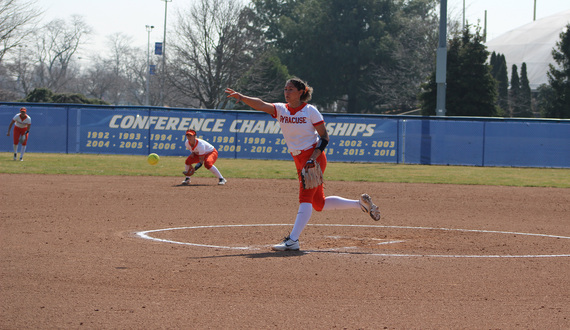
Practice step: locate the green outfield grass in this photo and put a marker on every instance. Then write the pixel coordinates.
(89, 164)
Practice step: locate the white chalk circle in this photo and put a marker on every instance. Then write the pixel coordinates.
(148, 235)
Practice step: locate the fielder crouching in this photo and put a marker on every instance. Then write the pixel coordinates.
(203, 154)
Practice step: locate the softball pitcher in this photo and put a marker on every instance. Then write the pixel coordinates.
(306, 137)
(22, 123)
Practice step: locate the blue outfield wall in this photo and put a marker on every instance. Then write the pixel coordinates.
(255, 135)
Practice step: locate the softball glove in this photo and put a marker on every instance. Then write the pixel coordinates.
(190, 171)
(311, 175)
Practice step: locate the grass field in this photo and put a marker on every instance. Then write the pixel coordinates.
(91, 164)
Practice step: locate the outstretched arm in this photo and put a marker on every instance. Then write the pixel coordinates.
(255, 103)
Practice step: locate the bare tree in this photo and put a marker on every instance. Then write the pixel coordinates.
(121, 48)
(56, 45)
(98, 80)
(212, 49)
(17, 19)
(111, 73)
(135, 77)
(265, 79)
(16, 74)
(119, 77)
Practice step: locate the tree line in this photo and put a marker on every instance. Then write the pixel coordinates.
(361, 56)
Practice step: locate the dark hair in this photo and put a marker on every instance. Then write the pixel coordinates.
(301, 85)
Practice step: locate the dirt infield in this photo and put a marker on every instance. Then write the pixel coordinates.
(143, 252)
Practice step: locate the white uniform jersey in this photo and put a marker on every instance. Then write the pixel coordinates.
(201, 148)
(298, 125)
(22, 123)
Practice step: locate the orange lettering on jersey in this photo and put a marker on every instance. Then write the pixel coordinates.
(292, 120)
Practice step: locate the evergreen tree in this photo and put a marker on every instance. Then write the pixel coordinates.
(494, 65)
(332, 45)
(45, 95)
(515, 91)
(341, 48)
(471, 89)
(75, 98)
(40, 95)
(525, 95)
(545, 98)
(555, 99)
(499, 72)
(503, 84)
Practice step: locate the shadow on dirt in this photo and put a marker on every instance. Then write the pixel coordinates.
(191, 185)
(277, 254)
(280, 254)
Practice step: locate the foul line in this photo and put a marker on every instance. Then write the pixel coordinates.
(146, 235)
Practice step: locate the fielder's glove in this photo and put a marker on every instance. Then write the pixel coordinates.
(190, 171)
(311, 175)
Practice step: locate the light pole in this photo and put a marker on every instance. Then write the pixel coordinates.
(148, 30)
(441, 60)
(163, 76)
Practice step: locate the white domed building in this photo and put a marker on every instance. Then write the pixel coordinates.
(532, 44)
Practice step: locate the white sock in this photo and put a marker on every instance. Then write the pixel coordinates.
(217, 173)
(187, 168)
(339, 203)
(303, 216)
(15, 148)
(22, 151)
